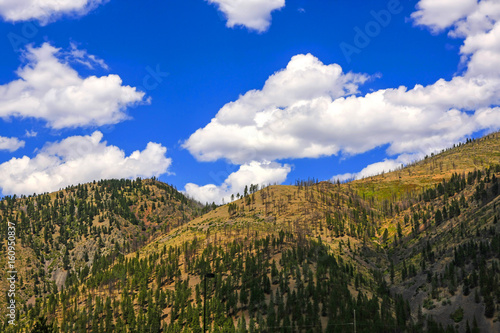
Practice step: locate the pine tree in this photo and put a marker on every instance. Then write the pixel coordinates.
(242, 325)
(489, 310)
(243, 296)
(385, 235)
(438, 217)
(467, 327)
(475, 327)
(42, 326)
(392, 272)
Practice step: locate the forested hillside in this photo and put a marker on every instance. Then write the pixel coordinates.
(413, 250)
(63, 237)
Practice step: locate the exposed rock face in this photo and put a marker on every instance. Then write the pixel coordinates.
(59, 276)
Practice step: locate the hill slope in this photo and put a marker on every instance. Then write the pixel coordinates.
(60, 236)
(412, 250)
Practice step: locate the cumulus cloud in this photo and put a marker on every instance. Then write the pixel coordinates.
(253, 14)
(481, 20)
(311, 110)
(259, 173)
(10, 144)
(45, 11)
(49, 89)
(275, 122)
(441, 14)
(79, 159)
(488, 118)
(482, 49)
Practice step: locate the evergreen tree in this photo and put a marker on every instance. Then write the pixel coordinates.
(42, 326)
(438, 217)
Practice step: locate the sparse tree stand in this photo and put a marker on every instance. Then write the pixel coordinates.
(207, 276)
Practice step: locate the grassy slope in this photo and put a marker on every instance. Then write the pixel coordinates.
(423, 174)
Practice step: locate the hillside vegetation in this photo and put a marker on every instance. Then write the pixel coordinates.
(413, 250)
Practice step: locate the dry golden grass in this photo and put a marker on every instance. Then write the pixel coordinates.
(431, 171)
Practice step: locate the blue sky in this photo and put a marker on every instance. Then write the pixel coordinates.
(211, 95)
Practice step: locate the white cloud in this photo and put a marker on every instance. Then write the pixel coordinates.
(441, 14)
(253, 14)
(30, 134)
(45, 11)
(50, 89)
(311, 110)
(488, 118)
(79, 159)
(10, 144)
(259, 173)
(483, 52)
(481, 20)
(269, 124)
(84, 58)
